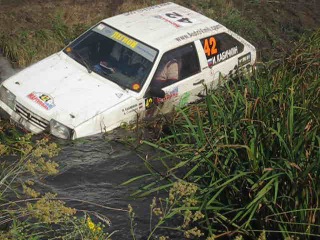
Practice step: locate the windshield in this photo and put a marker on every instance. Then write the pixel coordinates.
(113, 55)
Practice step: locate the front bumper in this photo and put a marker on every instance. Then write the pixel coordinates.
(24, 118)
(4, 114)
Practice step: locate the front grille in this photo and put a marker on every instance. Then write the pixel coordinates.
(31, 117)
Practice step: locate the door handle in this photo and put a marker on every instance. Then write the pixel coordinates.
(200, 82)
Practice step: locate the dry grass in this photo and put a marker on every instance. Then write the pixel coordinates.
(29, 32)
(267, 25)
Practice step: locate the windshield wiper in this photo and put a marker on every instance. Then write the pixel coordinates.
(83, 61)
(110, 78)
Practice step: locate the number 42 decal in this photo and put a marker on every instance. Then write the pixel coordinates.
(177, 15)
(210, 46)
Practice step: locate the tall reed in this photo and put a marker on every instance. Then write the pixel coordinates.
(252, 150)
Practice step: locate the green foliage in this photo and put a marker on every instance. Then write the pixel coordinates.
(253, 150)
(29, 214)
(66, 228)
(162, 210)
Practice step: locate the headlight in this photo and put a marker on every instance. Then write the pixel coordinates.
(59, 130)
(7, 97)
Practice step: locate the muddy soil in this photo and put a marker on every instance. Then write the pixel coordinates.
(281, 22)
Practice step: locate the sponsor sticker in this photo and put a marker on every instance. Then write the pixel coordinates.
(119, 95)
(176, 19)
(224, 55)
(243, 60)
(168, 21)
(169, 95)
(149, 102)
(210, 62)
(138, 47)
(198, 32)
(42, 99)
(214, 55)
(132, 108)
(184, 99)
(101, 26)
(136, 86)
(124, 39)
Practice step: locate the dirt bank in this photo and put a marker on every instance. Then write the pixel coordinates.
(272, 26)
(280, 22)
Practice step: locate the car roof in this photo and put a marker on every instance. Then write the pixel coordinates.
(164, 26)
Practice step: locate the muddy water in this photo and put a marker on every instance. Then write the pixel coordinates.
(92, 170)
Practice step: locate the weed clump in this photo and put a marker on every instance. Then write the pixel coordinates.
(25, 212)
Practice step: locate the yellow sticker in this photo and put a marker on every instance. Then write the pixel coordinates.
(136, 86)
(122, 38)
(148, 102)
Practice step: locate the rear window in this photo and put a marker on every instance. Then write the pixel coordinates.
(220, 47)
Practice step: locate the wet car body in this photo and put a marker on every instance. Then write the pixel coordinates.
(105, 77)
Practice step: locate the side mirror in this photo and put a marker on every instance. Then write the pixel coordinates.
(157, 92)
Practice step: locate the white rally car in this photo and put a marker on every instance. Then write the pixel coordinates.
(108, 75)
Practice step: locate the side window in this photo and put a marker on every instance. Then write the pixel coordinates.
(220, 47)
(176, 65)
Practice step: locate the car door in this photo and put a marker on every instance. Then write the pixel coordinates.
(185, 80)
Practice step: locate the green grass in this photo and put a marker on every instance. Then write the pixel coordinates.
(252, 150)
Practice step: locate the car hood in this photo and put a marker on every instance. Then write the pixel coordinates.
(60, 88)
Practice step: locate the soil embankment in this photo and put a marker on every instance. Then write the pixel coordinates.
(272, 26)
(280, 22)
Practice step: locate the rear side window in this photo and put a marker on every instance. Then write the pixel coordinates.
(220, 47)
